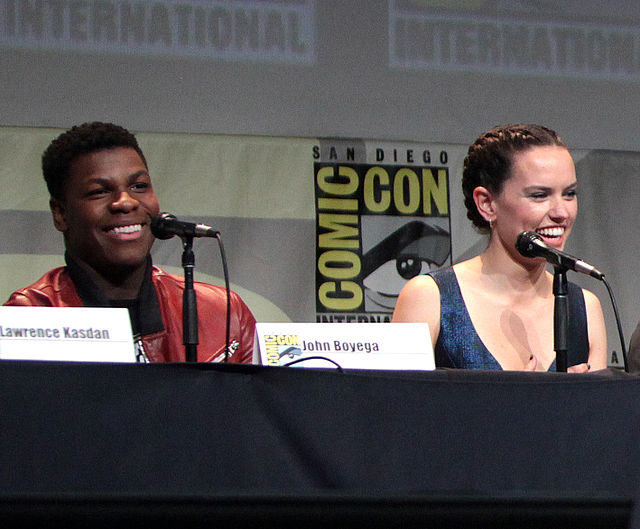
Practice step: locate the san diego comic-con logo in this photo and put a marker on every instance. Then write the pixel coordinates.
(280, 348)
(377, 226)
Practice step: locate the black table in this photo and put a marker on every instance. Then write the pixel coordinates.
(198, 445)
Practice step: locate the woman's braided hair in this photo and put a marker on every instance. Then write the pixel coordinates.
(490, 158)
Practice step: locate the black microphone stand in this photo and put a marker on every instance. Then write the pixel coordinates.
(560, 316)
(189, 303)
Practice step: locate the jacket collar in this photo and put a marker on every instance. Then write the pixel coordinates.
(144, 310)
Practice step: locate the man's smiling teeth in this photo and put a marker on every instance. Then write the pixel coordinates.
(551, 232)
(126, 229)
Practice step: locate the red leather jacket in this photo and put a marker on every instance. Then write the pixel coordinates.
(56, 289)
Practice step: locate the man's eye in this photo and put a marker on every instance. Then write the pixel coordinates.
(140, 186)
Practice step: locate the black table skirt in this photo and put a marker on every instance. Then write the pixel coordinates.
(245, 444)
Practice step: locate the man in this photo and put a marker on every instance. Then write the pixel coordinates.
(102, 201)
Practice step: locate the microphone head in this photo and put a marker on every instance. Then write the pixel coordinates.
(158, 228)
(527, 243)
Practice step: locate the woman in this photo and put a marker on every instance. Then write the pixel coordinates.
(495, 311)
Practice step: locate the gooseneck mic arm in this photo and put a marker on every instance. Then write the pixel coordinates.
(165, 226)
(560, 317)
(189, 302)
(530, 244)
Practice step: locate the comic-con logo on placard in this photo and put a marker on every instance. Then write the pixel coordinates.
(282, 347)
(377, 226)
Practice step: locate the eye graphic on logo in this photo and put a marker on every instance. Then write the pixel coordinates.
(291, 352)
(414, 249)
(411, 265)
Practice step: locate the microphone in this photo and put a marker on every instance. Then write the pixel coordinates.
(166, 225)
(530, 244)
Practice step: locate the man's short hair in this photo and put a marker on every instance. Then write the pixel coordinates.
(77, 141)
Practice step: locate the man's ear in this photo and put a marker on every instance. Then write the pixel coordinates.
(59, 214)
(484, 202)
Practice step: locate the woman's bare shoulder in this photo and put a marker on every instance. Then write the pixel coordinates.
(419, 300)
(419, 282)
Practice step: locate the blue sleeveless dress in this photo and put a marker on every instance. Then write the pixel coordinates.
(459, 345)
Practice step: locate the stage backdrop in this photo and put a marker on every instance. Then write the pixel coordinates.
(419, 70)
(322, 229)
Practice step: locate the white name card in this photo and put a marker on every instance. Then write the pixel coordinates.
(78, 334)
(394, 346)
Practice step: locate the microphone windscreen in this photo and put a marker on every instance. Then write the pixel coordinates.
(157, 226)
(528, 242)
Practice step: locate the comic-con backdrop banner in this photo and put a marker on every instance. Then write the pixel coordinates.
(322, 230)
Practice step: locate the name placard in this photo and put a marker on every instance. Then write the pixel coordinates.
(394, 346)
(78, 334)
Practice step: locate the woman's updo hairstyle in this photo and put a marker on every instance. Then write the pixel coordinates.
(490, 157)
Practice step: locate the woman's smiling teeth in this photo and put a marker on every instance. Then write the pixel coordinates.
(551, 232)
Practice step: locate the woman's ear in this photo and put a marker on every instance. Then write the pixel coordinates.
(58, 213)
(485, 203)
